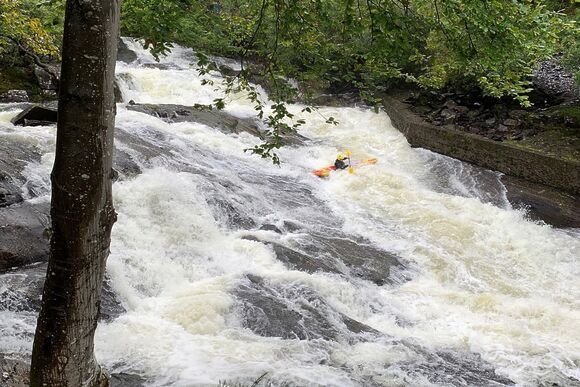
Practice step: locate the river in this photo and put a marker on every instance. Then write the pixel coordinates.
(413, 271)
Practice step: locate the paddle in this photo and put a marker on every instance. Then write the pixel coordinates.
(350, 168)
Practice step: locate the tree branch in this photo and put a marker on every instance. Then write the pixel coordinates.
(34, 58)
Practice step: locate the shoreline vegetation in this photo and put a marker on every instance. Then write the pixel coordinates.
(507, 71)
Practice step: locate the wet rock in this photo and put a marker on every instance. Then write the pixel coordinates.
(354, 258)
(229, 214)
(21, 291)
(303, 262)
(23, 234)
(543, 203)
(450, 104)
(14, 96)
(111, 307)
(117, 92)
(9, 192)
(126, 380)
(15, 372)
(124, 54)
(146, 150)
(555, 82)
(228, 71)
(48, 78)
(212, 118)
(159, 66)
(336, 100)
(14, 156)
(124, 165)
(291, 312)
(422, 110)
(36, 115)
(270, 227)
(291, 226)
(361, 259)
(457, 369)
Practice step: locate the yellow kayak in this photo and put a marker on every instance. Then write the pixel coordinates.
(323, 172)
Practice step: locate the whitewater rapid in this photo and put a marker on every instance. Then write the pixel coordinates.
(478, 277)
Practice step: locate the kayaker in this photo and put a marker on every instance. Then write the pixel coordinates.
(340, 162)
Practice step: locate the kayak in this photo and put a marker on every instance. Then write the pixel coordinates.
(324, 172)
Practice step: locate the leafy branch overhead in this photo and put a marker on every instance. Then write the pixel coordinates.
(370, 45)
(278, 120)
(34, 27)
(367, 45)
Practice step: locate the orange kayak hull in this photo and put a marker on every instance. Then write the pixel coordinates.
(324, 172)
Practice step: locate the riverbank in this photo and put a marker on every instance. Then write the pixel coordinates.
(553, 180)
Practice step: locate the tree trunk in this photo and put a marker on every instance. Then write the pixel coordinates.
(82, 209)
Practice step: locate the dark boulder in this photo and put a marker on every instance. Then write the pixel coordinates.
(230, 213)
(117, 92)
(36, 115)
(14, 156)
(47, 77)
(291, 312)
(9, 192)
(214, 118)
(124, 54)
(349, 256)
(23, 292)
(362, 259)
(542, 203)
(127, 380)
(270, 227)
(111, 307)
(23, 234)
(303, 262)
(124, 165)
(455, 368)
(553, 83)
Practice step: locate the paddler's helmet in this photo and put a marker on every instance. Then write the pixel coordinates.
(340, 156)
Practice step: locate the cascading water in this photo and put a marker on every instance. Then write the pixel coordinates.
(414, 271)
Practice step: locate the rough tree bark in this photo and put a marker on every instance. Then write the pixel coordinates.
(82, 209)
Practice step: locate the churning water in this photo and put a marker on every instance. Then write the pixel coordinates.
(414, 271)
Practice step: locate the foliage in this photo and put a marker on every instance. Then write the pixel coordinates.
(34, 26)
(493, 45)
(339, 45)
(278, 120)
(365, 45)
(571, 42)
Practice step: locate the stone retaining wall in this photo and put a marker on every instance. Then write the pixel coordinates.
(498, 156)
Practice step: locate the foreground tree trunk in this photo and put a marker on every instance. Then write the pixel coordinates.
(82, 209)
